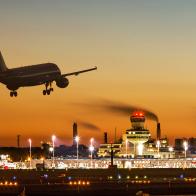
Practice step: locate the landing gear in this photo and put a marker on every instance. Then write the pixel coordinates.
(44, 92)
(48, 90)
(51, 89)
(13, 94)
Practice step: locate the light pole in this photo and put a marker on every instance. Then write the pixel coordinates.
(140, 148)
(185, 143)
(91, 149)
(91, 141)
(158, 146)
(126, 146)
(53, 140)
(30, 143)
(77, 139)
(171, 149)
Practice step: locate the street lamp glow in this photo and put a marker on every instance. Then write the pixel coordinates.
(91, 149)
(185, 144)
(30, 143)
(158, 146)
(53, 140)
(171, 149)
(77, 139)
(42, 158)
(91, 141)
(140, 148)
(51, 149)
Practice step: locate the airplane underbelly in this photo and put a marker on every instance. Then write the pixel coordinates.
(38, 80)
(34, 80)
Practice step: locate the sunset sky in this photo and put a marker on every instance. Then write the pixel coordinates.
(145, 52)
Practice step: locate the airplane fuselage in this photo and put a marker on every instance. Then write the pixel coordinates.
(30, 75)
(34, 75)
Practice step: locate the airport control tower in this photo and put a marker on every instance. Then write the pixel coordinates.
(137, 135)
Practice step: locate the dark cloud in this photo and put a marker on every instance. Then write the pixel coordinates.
(120, 108)
(127, 109)
(88, 125)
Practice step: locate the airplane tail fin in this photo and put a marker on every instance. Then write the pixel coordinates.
(3, 66)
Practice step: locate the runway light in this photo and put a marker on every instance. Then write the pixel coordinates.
(15, 183)
(88, 183)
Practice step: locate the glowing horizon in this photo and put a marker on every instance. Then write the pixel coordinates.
(144, 51)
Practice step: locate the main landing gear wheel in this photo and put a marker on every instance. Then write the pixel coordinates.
(44, 92)
(48, 90)
(13, 93)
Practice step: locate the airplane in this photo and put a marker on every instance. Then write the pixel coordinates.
(34, 75)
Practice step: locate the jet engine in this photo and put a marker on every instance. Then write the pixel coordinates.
(62, 82)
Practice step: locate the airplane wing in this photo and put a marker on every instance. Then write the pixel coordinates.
(79, 72)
